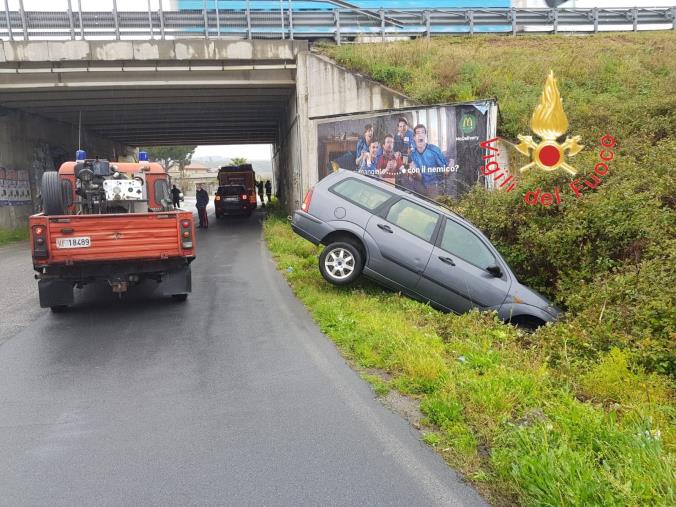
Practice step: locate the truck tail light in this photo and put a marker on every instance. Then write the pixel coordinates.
(39, 233)
(306, 202)
(217, 198)
(186, 234)
(244, 197)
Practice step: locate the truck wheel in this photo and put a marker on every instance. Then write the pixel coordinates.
(52, 195)
(179, 297)
(340, 263)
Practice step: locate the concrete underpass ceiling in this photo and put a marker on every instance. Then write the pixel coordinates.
(163, 115)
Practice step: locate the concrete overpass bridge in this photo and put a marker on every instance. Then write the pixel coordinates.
(171, 92)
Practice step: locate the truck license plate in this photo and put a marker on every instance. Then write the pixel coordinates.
(76, 242)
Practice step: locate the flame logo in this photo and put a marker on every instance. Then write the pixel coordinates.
(549, 121)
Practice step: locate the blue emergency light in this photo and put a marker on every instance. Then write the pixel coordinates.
(143, 156)
(80, 155)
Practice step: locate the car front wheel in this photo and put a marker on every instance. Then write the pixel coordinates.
(340, 263)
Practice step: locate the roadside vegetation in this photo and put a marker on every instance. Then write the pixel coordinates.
(11, 235)
(580, 412)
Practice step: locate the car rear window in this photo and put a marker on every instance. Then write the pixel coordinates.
(360, 193)
(231, 190)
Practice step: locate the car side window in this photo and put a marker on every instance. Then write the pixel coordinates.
(413, 218)
(460, 241)
(364, 195)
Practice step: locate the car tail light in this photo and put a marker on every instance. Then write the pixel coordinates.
(186, 234)
(306, 201)
(244, 197)
(217, 198)
(40, 242)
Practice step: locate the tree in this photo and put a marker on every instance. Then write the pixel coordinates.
(169, 156)
(238, 161)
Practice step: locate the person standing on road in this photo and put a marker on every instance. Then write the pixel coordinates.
(259, 186)
(175, 196)
(268, 190)
(202, 201)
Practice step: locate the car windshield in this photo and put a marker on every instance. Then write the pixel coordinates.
(231, 190)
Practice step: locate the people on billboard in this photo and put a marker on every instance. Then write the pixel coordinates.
(369, 163)
(429, 162)
(390, 162)
(404, 140)
(363, 144)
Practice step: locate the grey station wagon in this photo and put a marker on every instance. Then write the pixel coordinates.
(413, 245)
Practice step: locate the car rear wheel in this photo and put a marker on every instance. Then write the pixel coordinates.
(340, 263)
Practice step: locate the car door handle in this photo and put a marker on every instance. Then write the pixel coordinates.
(447, 260)
(385, 228)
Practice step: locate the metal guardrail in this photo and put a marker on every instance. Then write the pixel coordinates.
(338, 24)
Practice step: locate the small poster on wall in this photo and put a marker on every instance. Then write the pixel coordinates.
(434, 151)
(15, 187)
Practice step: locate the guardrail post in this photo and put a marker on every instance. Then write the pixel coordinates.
(9, 21)
(595, 13)
(290, 20)
(161, 21)
(512, 15)
(336, 22)
(634, 13)
(218, 21)
(248, 19)
(24, 27)
(79, 14)
(150, 21)
(555, 18)
(281, 15)
(469, 16)
(117, 21)
(673, 18)
(428, 24)
(382, 24)
(206, 19)
(70, 21)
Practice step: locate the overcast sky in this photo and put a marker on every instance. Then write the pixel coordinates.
(248, 151)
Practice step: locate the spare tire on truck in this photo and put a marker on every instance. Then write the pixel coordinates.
(52, 194)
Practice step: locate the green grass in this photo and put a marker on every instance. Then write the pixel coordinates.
(11, 235)
(521, 430)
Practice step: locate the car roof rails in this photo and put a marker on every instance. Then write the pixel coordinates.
(412, 192)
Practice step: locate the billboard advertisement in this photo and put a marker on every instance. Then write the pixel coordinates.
(15, 188)
(434, 151)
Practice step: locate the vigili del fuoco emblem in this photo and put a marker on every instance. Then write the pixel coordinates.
(550, 123)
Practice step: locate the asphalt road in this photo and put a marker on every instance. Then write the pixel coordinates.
(233, 397)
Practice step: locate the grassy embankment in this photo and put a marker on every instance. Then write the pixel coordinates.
(11, 235)
(581, 412)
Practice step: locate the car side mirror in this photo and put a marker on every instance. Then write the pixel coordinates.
(495, 271)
